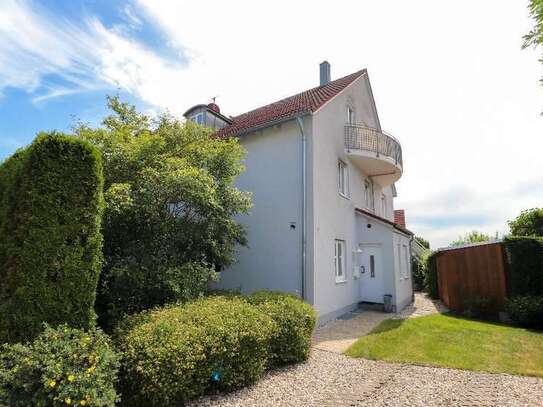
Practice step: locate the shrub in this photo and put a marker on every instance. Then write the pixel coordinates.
(526, 310)
(50, 241)
(61, 367)
(430, 276)
(480, 306)
(417, 267)
(171, 209)
(525, 265)
(295, 321)
(179, 352)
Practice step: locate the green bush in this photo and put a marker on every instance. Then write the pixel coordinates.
(525, 265)
(430, 276)
(526, 310)
(179, 352)
(50, 240)
(61, 367)
(295, 321)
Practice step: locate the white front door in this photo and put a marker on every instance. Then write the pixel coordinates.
(372, 285)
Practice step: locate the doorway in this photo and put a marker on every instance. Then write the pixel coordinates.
(372, 283)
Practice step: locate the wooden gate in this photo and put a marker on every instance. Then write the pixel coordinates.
(472, 272)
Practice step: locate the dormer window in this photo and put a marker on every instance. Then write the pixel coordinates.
(350, 115)
(198, 118)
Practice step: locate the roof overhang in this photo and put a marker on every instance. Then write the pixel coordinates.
(387, 222)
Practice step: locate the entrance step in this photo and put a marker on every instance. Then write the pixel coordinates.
(371, 306)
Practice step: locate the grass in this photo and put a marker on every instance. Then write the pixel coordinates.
(449, 341)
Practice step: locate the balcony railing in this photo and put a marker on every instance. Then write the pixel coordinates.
(358, 137)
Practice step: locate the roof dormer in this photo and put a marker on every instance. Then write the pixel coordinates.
(208, 115)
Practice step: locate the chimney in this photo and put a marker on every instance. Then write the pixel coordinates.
(324, 73)
(399, 217)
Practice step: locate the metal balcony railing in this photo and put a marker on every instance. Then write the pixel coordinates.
(359, 137)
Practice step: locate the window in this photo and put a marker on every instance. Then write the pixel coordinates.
(372, 266)
(383, 205)
(406, 262)
(339, 260)
(400, 262)
(343, 178)
(350, 115)
(368, 194)
(198, 118)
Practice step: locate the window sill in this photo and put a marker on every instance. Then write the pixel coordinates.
(341, 281)
(344, 196)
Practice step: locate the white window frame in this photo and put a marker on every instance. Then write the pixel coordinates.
(198, 118)
(400, 262)
(340, 260)
(406, 262)
(368, 195)
(343, 178)
(350, 115)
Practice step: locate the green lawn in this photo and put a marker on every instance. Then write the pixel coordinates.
(444, 340)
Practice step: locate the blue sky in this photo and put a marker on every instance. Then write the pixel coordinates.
(449, 78)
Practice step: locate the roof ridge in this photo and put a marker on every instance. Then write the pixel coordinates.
(283, 109)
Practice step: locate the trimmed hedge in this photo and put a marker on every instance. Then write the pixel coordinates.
(526, 311)
(430, 276)
(295, 321)
(50, 240)
(179, 352)
(525, 265)
(61, 367)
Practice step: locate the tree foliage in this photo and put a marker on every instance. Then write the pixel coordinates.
(423, 242)
(535, 37)
(472, 237)
(528, 223)
(170, 203)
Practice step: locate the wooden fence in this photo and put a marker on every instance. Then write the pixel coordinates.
(468, 273)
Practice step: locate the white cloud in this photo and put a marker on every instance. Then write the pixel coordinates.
(450, 80)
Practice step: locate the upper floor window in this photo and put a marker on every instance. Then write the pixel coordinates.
(198, 118)
(339, 260)
(343, 178)
(383, 205)
(368, 195)
(350, 115)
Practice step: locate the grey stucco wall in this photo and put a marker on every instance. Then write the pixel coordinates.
(273, 175)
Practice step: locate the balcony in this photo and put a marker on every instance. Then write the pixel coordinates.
(375, 153)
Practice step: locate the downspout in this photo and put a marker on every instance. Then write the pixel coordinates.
(300, 121)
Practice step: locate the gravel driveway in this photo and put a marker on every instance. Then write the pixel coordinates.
(330, 379)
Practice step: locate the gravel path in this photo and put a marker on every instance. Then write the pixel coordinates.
(330, 379)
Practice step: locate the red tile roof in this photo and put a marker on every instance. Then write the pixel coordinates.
(399, 217)
(288, 108)
(393, 224)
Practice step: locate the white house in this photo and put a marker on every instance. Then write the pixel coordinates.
(322, 174)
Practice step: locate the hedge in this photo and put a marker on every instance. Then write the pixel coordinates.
(525, 265)
(295, 321)
(430, 276)
(50, 240)
(61, 367)
(179, 352)
(526, 310)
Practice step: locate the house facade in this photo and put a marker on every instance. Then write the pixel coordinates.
(321, 173)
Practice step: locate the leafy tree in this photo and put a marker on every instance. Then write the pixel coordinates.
(535, 37)
(528, 223)
(170, 201)
(472, 237)
(423, 242)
